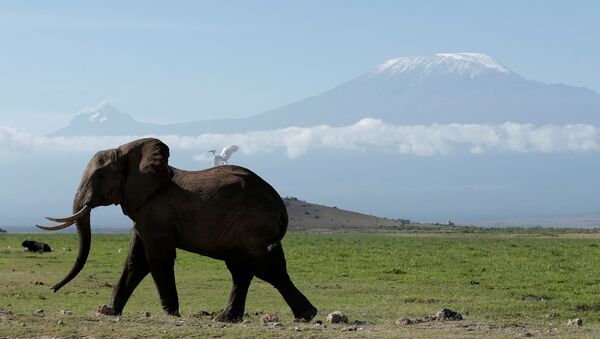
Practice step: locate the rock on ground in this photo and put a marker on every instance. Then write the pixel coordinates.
(404, 321)
(337, 317)
(445, 314)
(575, 322)
(442, 315)
(269, 318)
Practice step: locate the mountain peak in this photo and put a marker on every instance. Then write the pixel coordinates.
(102, 119)
(471, 64)
(101, 113)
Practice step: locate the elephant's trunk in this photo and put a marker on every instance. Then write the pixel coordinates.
(84, 233)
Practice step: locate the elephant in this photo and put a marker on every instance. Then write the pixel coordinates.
(36, 246)
(225, 212)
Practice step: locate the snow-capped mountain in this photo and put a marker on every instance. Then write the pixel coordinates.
(443, 88)
(470, 64)
(104, 119)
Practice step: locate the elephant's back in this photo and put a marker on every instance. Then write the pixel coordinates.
(234, 205)
(224, 180)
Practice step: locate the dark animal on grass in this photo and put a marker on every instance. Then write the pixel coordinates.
(36, 246)
(226, 212)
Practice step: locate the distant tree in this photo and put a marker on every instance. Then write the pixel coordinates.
(293, 199)
(2, 231)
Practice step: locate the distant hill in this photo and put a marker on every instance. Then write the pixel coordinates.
(306, 216)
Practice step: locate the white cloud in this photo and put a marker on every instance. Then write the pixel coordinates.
(367, 134)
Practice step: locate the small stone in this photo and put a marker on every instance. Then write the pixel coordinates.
(404, 321)
(146, 314)
(39, 313)
(269, 318)
(352, 328)
(445, 314)
(296, 329)
(201, 314)
(575, 322)
(337, 317)
(105, 310)
(319, 322)
(60, 322)
(65, 312)
(22, 324)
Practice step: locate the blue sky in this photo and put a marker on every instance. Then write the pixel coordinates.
(180, 61)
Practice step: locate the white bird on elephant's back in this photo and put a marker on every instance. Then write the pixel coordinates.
(221, 159)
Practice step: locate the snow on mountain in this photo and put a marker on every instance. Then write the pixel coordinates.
(443, 88)
(472, 64)
(102, 112)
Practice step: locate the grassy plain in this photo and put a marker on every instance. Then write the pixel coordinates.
(503, 284)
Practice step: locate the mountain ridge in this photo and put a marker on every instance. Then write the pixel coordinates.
(444, 88)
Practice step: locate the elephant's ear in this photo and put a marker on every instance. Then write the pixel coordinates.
(147, 169)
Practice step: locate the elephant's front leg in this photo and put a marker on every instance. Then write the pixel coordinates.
(160, 254)
(136, 268)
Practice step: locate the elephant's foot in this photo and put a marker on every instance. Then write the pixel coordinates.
(229, 317)
(106, 310)
(306, 315)
(171, 311)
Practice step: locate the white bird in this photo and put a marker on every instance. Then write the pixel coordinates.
(221, 159)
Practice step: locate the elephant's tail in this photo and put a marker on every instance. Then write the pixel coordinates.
(283, 224)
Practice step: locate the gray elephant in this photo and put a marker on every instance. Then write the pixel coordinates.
(226, 212)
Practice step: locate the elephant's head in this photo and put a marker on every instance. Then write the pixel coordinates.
(128, 175)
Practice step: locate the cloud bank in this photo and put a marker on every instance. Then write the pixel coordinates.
(366, 135)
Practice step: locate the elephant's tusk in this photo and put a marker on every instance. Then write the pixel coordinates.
(74, 217)
(56, 228)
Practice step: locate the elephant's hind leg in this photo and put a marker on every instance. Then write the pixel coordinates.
(272, 269)
(241, 276)
(136, 268)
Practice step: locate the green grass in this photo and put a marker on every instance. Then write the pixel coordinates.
(502, 285)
